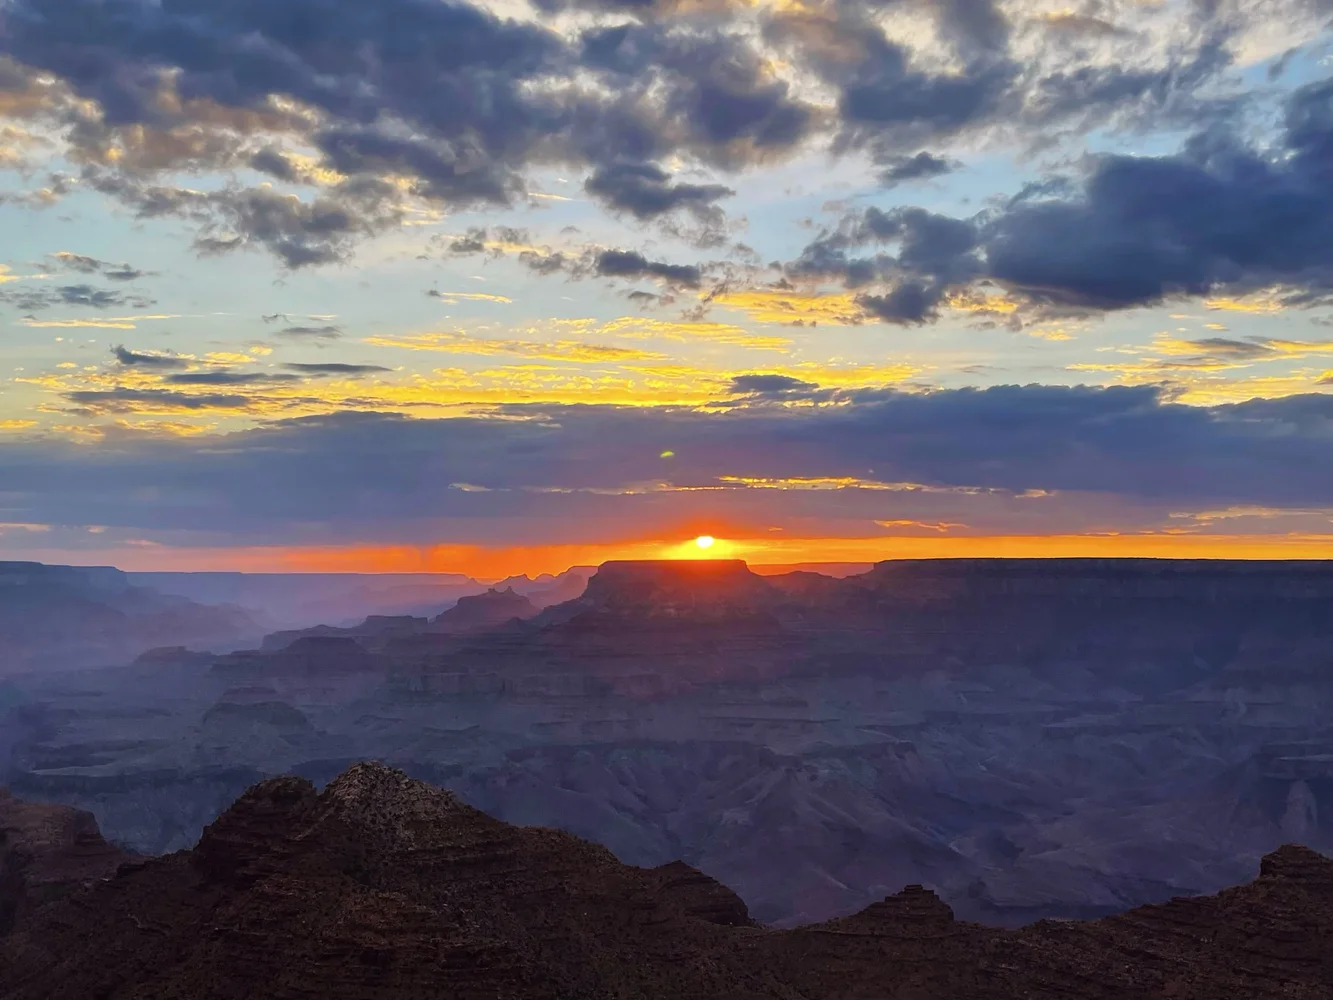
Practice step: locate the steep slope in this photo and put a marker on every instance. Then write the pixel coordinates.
(384, 887)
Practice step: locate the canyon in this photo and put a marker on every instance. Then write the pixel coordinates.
(1061, 739)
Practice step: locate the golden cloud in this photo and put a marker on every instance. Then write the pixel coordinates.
(562, 350)
(102, 323)
(1265, 302)
(769, 305)
(680, 330)
(969, 300)
(940, 526)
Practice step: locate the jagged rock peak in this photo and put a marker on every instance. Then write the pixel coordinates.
(1298, 863)
(370, 806)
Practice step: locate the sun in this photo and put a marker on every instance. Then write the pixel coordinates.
(705, 541)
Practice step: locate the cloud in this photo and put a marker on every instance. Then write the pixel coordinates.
(220, 377)
(452, 297)
(560, 350)
(646, 191)
(444, 104)
(84, 264)
(935, 254)
(323, 332)
(1216, 219)
(335, 368)
(102, 322)
(631, 264)
(126, 400)
(87, 296)
(892, 455)
(768, 385)
(138, 359)
(921, 167)
(1240, 229)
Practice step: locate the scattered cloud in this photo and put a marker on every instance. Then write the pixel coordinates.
(562, 350)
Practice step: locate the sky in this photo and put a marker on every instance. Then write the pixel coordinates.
(491, 288)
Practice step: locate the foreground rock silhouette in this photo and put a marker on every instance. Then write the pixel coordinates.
(384, 887)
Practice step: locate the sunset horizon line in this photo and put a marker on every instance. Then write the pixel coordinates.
(490, 564)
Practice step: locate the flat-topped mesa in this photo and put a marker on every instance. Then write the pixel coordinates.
(701, 588)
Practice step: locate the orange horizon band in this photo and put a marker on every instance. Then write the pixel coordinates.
(493, 563)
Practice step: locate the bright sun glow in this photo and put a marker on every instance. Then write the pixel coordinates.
(704, 541)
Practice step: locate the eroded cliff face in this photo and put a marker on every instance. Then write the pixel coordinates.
(382, 886)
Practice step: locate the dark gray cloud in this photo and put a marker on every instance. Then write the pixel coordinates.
(631, 264)
(31, 300)
(646, 191)
(684, 89)
(934, 254)
(138, 360)
(463, 104)
(921, 167)
(83, 264)
(335, 368)
(300, 233)
(546, 263)
(368, 476)
(225, 377)
(324, 331)
(97, 402)
(448, 95)
(768, 385)
(1217, 218)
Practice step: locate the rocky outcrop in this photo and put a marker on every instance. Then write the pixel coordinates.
(472, 614)
(546, 589)
(46, 850)
(381, 886)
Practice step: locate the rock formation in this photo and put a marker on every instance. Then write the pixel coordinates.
(45, 851)
(495, 607)
(384, 887)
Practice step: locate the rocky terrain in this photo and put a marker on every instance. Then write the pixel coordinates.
(46, 851)
(382, 886)
(1061, 739)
